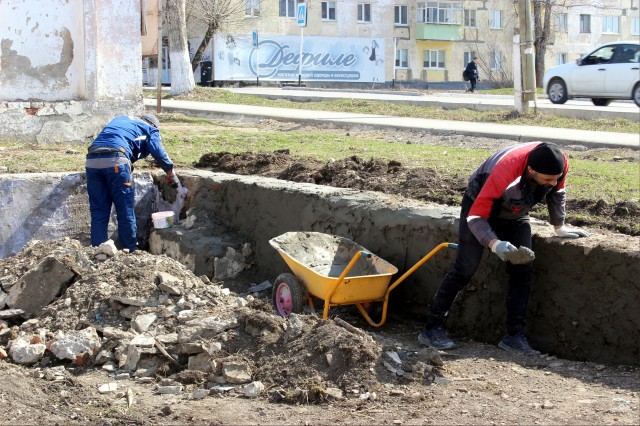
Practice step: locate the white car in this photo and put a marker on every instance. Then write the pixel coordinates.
(612, 71)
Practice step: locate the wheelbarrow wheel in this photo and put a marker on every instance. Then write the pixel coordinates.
(288, 295)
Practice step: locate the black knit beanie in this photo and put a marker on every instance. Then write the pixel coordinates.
(547, 159)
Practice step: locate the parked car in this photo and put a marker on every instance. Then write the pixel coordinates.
(612, 71)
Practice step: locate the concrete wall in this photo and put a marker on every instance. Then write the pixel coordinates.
(584, 306)
(67, 67)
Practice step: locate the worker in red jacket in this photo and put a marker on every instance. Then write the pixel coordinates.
(495, 215)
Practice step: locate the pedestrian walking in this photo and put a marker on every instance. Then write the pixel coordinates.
(495, 215)
(109, 168)
(471, 73)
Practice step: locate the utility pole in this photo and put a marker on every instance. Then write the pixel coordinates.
(159, 79)
(527, 57)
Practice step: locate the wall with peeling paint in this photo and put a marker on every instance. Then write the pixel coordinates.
(67, 67)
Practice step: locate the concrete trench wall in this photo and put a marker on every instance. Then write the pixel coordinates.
(584, 305)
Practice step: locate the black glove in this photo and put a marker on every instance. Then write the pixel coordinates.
(173, 180)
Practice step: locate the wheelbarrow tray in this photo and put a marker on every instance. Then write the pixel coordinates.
(318, 259)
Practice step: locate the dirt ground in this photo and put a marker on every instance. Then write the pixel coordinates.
(339, 371)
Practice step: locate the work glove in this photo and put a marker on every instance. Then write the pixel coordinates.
(564, 232)
(173, 181)
(501, 248)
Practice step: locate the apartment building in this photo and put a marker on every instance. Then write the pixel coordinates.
(400, 40)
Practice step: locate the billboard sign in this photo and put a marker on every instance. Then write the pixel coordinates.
(323, 58)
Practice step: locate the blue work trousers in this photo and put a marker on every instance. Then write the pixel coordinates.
(518, 233)
(106, 187)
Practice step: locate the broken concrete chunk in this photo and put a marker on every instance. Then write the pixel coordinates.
(131, 301)
(108, 248)
(232, 263)
(167, 339)
(169, 390)
(22, 352)
(143, 341)
(259, 287)
(253, 389)
(11, 313)
(200, 394)
(71, 345)
(202, 362)
(141, 323)
(133, 356)
(236, 372)
(116, 333)
(108, 388)
(169, 284)
(40, 285)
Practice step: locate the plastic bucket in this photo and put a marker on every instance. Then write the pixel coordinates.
(162, 220)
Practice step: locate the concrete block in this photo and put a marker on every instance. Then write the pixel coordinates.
(40, 285)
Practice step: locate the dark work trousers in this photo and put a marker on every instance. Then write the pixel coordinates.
(518, 233)
(473, 82)
(109, 186)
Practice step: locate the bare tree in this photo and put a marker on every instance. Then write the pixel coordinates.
(544, 15)
(213, 16)
(182, 80)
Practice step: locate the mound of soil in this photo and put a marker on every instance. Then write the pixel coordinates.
(412, 182)
(197, 328)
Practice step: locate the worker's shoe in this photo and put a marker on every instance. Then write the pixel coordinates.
(517, 344)
(436, 338)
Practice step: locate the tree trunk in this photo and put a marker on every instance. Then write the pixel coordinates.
(211, 30)
(182, 81)
(542, 28)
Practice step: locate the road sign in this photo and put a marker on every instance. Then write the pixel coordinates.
(302, 14)
(254, 38)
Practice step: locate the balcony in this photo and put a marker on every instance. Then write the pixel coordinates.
(443, 32)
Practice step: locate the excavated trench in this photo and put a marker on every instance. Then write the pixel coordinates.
(584, 306)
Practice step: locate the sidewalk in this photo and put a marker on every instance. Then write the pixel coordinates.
(371, 121)
(576, 108)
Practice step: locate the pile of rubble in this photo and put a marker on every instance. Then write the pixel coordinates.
(148, 318)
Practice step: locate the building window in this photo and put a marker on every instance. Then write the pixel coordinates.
(561, 22)
(364, 12)
(468, 57)
(251, 7)
(561, 58)
(495, 21)
(610, 25)
(496, 61)
(402, 58)
(439, 13)
(328, 10)
(470, 18)
(433, 59)
(585, 23)
(401, 15)
(635, 26)
(287, 8)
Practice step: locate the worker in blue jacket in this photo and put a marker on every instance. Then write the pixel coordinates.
(125, 140)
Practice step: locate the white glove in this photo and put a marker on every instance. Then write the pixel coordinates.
(564, 232)
(501, 248)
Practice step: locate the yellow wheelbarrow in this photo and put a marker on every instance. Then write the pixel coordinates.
(336, 270)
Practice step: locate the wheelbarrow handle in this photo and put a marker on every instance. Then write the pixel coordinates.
(341, 278)
(420, 263)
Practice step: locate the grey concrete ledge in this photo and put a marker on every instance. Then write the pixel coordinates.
(585, 301)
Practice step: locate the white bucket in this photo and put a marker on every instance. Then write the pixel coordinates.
(162, 220)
